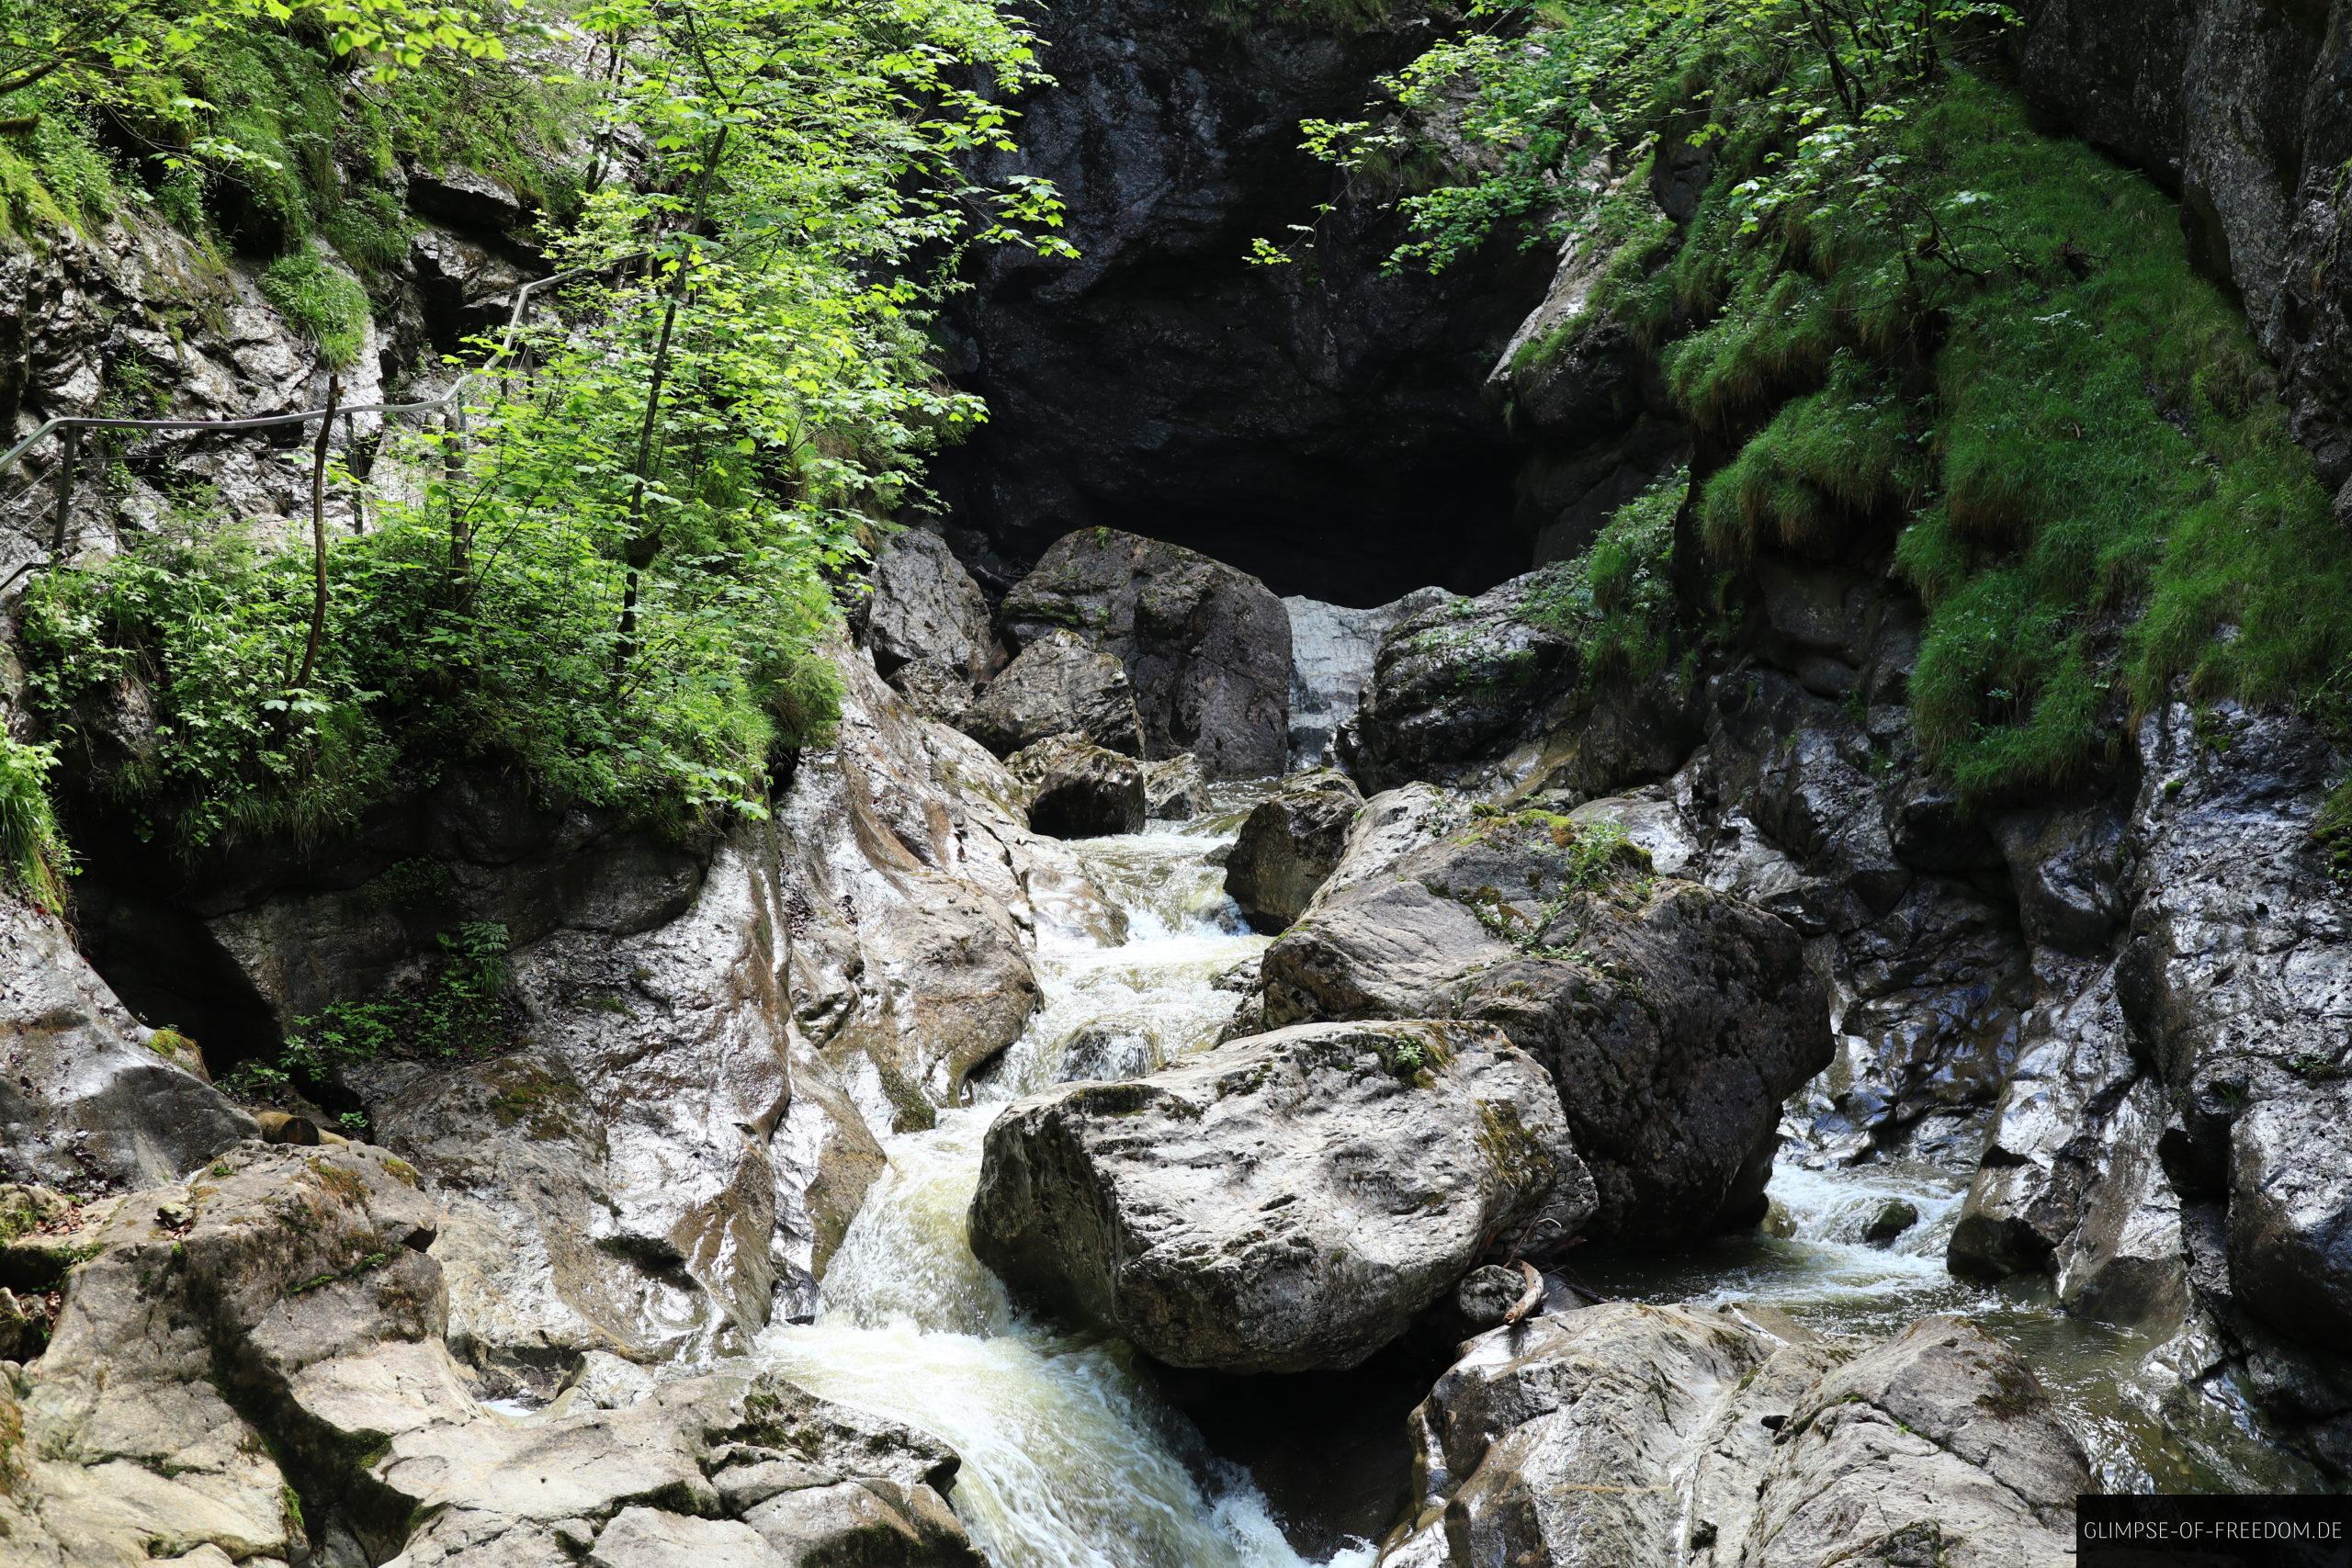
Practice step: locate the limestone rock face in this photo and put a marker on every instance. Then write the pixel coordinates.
(1281, 1203)
(1059, 683)
(2237, 973)
(85, 1096)
(614, 1180)
(926, 608)
(911, 881)
(249, 1366)
(1207, 647)
(1673, 1019)
(1623, 1434)
(1290, 843)
(1332, 648)
(1078, 790)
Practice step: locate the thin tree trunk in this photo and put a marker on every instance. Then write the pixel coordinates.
(644, 543)
(452, 462)
(319, 534)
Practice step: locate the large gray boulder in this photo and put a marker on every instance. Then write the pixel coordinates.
(1059, 683)
(1289, 843)
(1459, 683)
(1627, 1434)
(1282, 1203)
(1207, 646)
(88, 1096)
(1078, 790)
(1673, 1019)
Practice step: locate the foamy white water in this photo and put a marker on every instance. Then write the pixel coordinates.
(1070, 1460)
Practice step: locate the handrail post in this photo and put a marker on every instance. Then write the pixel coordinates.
(68, 458)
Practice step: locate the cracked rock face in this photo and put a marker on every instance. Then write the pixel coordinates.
(1622, 1434)
(250, 1367)
(1282, 1203)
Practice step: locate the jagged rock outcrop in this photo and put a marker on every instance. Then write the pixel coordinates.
(1206, 646)
(2245, 108)
(1059, 683)
(1673, 1019)
(1284, 1202)
(90, 1099)
(249, 1366)
(909, 880)
(1319, 424)
(926, 609)
(1623, 1434)
(1289, 844)
(618, 1180)
(1078, 790)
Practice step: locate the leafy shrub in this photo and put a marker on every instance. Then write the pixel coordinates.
(328, 305)
(31, 849)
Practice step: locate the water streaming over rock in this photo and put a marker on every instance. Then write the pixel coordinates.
(1070, 1461)
(1331, 649)
(2112, 1387)
(1071, 1457)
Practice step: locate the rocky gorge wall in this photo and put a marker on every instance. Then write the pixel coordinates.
(2139, 985)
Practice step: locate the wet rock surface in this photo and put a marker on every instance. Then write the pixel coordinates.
(90, 1099)
(1282, 1203)
(249, 1366)
(1622, 1434)
(1077, 789)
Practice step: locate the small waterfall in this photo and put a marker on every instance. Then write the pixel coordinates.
(1070, 1460)
(1331, 652)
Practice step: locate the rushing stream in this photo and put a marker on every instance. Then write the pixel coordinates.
(1071, 1459)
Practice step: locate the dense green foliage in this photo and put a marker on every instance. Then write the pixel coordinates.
(1616, 598)
(615, 576)
(32, 853)
(1910, 317)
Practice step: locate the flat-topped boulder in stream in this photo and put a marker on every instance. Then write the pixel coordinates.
(1673, 1019)
(1624, 1434)
(1281, 1203)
